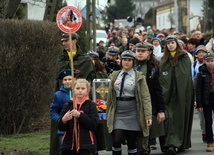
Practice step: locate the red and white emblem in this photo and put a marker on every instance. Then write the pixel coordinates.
(69, 19)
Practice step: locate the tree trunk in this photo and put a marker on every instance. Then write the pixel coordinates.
(3, 8)
(12, 8)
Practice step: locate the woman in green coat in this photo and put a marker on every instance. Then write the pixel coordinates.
(176, 82)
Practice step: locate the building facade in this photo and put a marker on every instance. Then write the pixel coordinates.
(189, 14)
(33, 9)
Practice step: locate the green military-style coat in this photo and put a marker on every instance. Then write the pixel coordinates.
(143, 100)
(177, 86)
(83, 65)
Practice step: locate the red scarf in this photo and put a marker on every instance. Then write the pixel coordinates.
(200, 60)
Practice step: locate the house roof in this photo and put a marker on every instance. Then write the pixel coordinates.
(164, 3)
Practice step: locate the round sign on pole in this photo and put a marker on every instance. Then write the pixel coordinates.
(69, 19)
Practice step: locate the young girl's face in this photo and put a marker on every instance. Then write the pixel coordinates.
(67, 82)
(210, 63)
(127, 64)
(81, 90)
(171, 45)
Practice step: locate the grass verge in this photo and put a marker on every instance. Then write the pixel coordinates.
(38, 142)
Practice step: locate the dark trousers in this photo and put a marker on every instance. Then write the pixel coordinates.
(131, 137)
(208, 115)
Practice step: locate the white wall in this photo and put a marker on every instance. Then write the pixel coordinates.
(35, 9)
(162, 20)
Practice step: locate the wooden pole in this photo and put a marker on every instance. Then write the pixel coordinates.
(72, 74)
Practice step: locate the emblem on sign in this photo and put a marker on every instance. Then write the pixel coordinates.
(69, 19)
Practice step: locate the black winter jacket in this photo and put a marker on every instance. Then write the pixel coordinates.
(86, 125)
(203, 86)
(155, 90)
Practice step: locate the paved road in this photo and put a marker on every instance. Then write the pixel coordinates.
(198, 147)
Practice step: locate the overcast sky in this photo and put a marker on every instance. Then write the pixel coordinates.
(81, 3)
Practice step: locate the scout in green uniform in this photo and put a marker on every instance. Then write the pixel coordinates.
(176, 82)
(128, 105)
(83, 64)
(144, 65)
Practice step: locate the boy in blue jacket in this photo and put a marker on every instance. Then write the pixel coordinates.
(60, 98)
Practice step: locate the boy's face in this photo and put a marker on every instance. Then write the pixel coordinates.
(67, 81)
(190, 46)
(131, 46)
(210, 63)
(112, 57)
(156, 42)
(66, 44)
(142, 53)
(200, 54)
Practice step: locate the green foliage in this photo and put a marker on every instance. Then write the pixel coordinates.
(120, 10)
(28, 53)
(19, 13)
(36, 143)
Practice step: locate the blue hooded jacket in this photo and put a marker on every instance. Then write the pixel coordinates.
(60, 98)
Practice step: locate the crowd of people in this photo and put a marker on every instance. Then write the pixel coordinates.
(157, 79)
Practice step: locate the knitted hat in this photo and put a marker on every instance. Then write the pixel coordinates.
(181, 42)
(156, 38)
(160, 35)
(201, 48)
(134, 41)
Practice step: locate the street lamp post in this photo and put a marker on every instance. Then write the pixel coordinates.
(188, 17)
(153, 12)
(176, 14)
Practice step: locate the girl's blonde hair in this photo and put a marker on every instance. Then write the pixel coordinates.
(82, 81)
